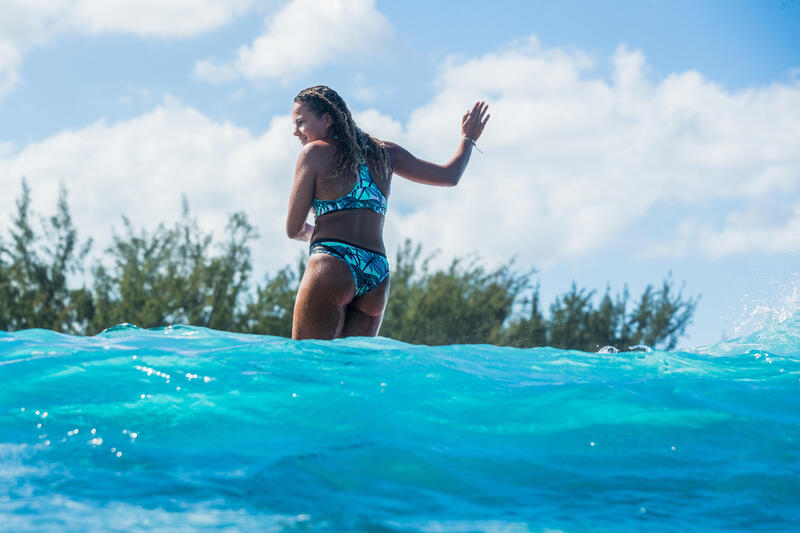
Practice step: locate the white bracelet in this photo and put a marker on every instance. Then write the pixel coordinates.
(472, 142)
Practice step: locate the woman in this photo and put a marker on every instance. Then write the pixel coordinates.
(345, 175)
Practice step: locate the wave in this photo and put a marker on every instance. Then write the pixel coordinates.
(188, 428)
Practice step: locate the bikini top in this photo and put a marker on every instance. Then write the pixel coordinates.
(365, 194)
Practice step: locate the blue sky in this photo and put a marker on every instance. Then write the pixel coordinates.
(627, 141)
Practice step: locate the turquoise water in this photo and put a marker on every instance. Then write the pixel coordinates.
(189, 429)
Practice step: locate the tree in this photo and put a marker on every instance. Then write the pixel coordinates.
(179, 274)
(464, 304)
(170, 277)
(528, 329)
(36, 270)
(662, 316)
(659, 320)
(272, 310)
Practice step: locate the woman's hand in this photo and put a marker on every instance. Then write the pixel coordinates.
(474, 120)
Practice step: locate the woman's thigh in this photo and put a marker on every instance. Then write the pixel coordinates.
(325, 291)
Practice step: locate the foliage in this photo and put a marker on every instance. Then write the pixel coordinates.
(179, 274)
(34, 271)
(658, 320)
(463, 304)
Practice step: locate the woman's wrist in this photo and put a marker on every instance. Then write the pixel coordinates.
(469, 140)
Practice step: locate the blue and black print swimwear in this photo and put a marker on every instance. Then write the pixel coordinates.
(369, 268)
(365, 194)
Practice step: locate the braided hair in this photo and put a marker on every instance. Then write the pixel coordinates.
(354, 145)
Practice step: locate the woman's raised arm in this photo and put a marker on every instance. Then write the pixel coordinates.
(412, 168)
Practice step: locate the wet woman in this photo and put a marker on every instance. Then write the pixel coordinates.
(345, 175)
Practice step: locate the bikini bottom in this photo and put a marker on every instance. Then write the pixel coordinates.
(369, 268)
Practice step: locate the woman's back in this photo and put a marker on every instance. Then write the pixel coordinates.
(360, 225)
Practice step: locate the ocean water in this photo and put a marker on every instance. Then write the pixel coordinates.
(190, 429)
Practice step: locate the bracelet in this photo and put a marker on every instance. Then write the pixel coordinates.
(472, 142)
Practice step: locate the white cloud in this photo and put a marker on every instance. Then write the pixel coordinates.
(28, 23)
(161, 18)
(10, 60)
(573, 160)
(303, 35)
(746, 233)
(757, 229)
(142, 167)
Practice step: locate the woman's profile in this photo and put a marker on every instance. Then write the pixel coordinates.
(345, 175)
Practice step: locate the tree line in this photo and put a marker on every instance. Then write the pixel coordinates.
(180, 274)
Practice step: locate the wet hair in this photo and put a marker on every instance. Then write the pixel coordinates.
(354, 146)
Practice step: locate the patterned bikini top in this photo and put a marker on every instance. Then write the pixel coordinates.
(365, 194)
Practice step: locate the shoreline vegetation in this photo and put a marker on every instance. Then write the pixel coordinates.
(179, 274)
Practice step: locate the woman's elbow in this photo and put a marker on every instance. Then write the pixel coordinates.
(292, 231)
(453, 179)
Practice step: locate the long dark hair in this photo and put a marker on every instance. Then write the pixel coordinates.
(354, 146)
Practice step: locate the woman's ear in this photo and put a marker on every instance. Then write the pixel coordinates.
(327, 119)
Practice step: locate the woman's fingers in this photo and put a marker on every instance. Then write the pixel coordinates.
(475, 119)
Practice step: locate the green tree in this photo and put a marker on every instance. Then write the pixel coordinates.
(179, 274)
(658, 320)
(272, 309)
(36, 269)
(464, 304)
(661, 317)
(530, 327)
(171, 277)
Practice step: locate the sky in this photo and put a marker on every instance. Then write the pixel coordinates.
(629, 141)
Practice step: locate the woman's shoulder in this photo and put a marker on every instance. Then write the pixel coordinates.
(393, 150)
(317, 149)
(316, 154)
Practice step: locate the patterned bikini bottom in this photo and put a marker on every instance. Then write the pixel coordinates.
(369, 268)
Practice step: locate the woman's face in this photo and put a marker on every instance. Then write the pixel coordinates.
(308, 126)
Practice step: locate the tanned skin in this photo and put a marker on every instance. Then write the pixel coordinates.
(325, 307)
